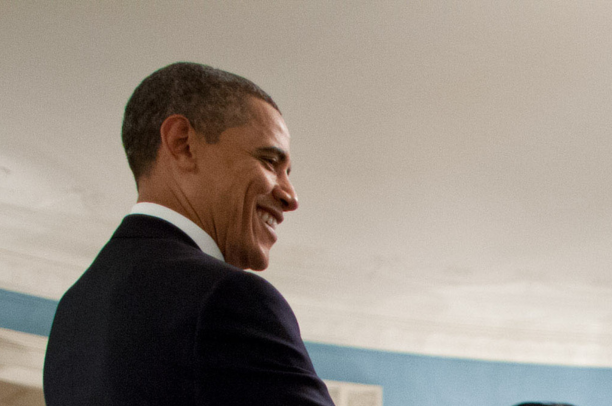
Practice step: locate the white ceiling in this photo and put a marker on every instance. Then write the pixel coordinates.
(452, 159)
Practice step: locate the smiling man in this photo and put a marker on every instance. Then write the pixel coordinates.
(166, 314)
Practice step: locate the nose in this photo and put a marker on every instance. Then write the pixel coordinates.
(285, 193)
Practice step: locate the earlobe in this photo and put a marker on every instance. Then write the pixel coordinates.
(177, 136)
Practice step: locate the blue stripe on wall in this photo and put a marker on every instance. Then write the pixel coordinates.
(419, 380)
(25, 313)
(407, 379)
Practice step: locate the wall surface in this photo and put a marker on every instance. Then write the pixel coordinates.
(414, 380)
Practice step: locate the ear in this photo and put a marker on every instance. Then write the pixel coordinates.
(177, 138)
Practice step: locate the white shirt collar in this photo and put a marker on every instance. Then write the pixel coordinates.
(201, 238)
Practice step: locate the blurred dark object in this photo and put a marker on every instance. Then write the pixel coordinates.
(543, 404)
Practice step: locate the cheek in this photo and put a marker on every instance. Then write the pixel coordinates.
(269, 179)
(260, 182)
(249, 188)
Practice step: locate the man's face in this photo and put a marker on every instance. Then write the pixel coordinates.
(243, 187)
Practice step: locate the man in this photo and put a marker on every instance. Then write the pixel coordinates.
(166, 314)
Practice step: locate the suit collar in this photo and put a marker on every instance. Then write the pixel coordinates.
(145, 226)
(199, 236)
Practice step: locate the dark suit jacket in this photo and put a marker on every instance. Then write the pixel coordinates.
(155, 321)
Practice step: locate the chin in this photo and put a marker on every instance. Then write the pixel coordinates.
(256, 261)
(258, 264)
(257, 256)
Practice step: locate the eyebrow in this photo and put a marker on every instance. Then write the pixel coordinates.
(281, 154)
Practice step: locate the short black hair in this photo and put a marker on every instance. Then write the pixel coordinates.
(543, 404)
(211, 99)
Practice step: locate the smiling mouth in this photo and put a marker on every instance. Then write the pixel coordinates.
(267, 218)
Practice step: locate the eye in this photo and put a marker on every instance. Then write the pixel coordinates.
(271, 162)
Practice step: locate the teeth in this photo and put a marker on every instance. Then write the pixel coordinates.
(267, 218)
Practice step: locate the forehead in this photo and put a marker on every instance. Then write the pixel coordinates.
(264, 133)
(268, 128)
